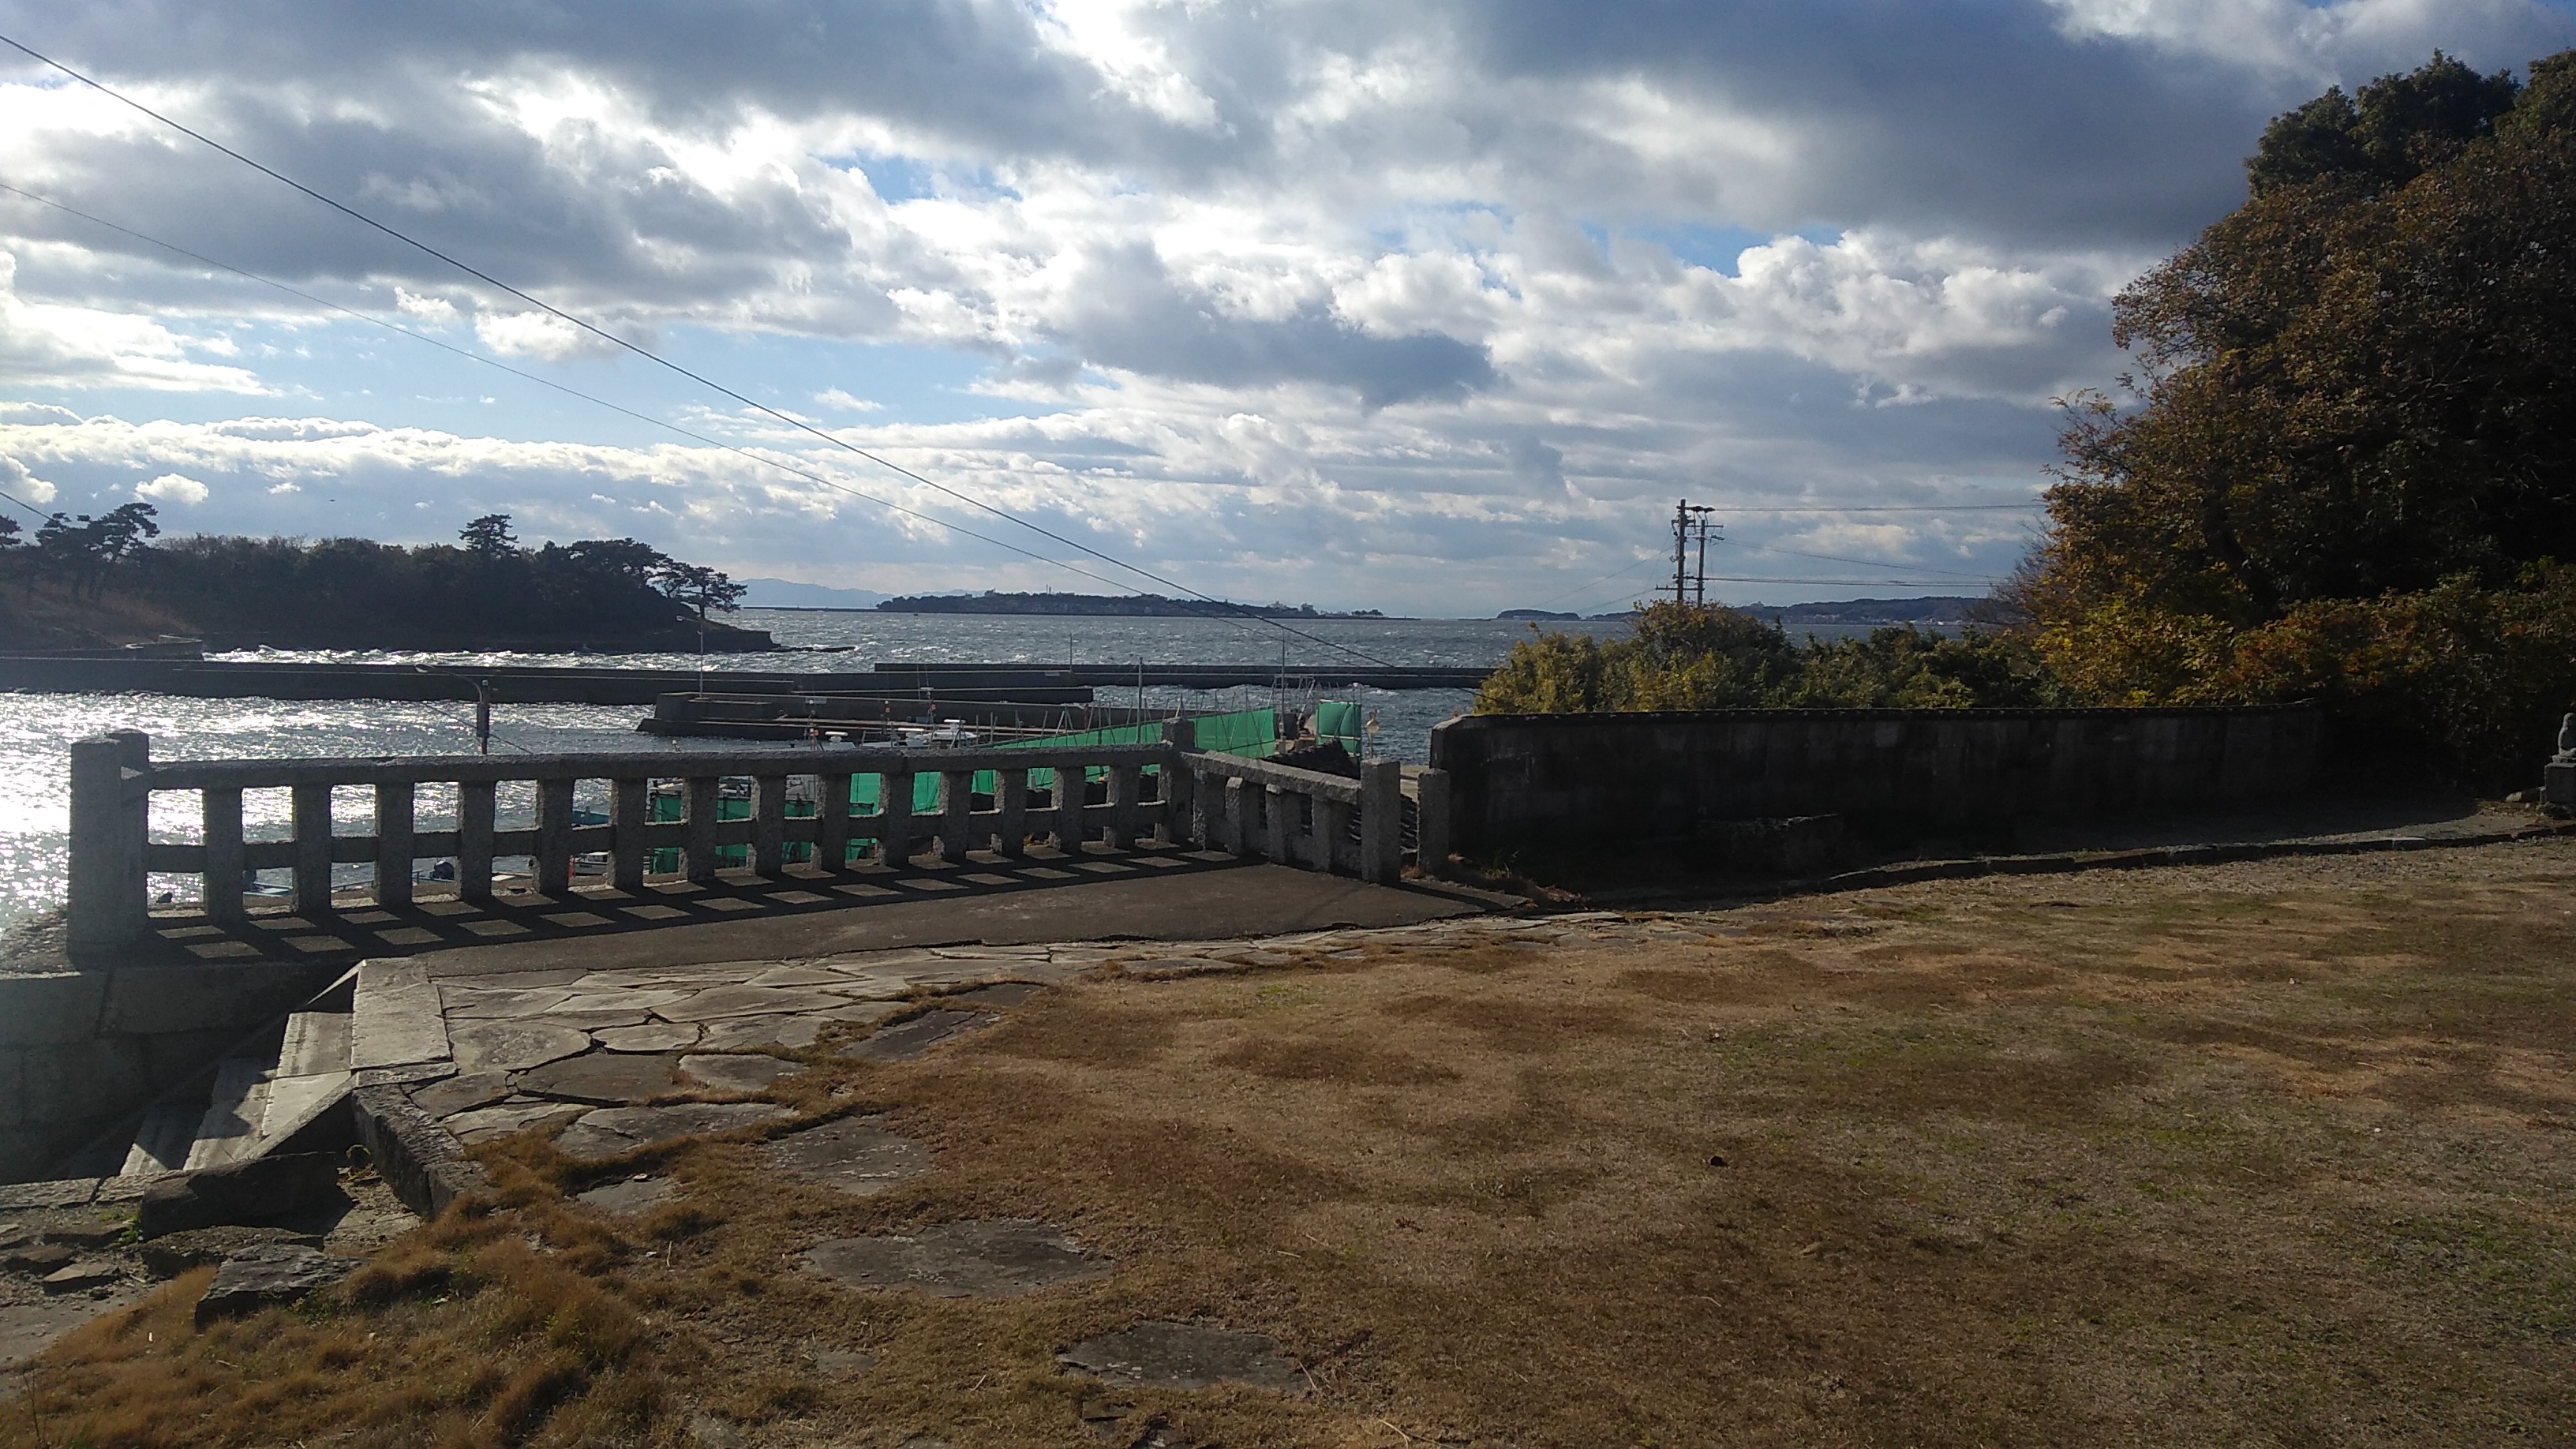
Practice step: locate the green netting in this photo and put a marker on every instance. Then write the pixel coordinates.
(1252, 732)
(1340, 720)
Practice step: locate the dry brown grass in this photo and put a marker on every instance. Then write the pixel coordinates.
(2266, 1154)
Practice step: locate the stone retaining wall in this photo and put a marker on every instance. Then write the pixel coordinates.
(1584, 780)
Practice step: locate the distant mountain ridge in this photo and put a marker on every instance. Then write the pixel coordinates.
(1150, 606)
(789, 594)
(1930, 609)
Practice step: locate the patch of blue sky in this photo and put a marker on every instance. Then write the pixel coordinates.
(897, 179)
(351, 371)
(1718, 248)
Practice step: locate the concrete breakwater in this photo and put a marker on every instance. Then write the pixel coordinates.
(535, 684)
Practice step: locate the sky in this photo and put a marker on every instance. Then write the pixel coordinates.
(1428, 306)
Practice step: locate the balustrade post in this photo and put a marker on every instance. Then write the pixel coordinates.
(1073, 782)
(832, 822)
(554, 837)
(1278, 826)
(1180, 820)
(1011, 798)
(1431, 822)
(394, 822)
(1207, 808)
(111, 904)
(1125, 783)
(221, 809)
(1332, 835)
(698, 844)
(956, 814)
(476, 813)
(1239, 805)
(894, 819)
(312, 849)
(1381, 821)
(630, 805)
(769, 824)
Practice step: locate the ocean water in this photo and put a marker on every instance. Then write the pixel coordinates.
(36, 730)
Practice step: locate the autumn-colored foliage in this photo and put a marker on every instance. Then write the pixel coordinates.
(2349, 460)
(1682, 657)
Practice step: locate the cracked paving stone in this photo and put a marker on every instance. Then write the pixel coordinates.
(854, 1154)
(742, 1033)
(659, 1036)
(737, 1073)
(997, 1258)
(1164, 1355)
(501, 1119)
(906, 1040)
(447, 1097)
(615, 1131)
(630, 1196)
(1001, 995)
(513, 1046)
(723, 1001)
(605, 1079)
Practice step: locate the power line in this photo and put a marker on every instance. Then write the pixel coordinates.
(1240, 622)
(648, 355)
(1875, 563)
(569, 391)
(1871, 583)
(31, 508)
(1887, 508)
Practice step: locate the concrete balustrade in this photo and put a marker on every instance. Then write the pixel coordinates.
(1167, 791)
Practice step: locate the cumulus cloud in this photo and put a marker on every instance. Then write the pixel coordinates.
(50, 345)
(535, 334)
(22, 485)
(172, 488)
(1359, 294)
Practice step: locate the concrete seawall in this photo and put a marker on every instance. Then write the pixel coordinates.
(1520, 781)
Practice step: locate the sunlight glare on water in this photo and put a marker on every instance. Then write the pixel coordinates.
(37, 730)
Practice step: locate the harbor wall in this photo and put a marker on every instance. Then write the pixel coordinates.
(1584, 780)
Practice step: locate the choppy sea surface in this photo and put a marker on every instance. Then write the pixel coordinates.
(36, 730)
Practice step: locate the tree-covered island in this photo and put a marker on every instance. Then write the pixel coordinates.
(86, 581)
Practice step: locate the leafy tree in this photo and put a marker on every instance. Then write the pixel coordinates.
(622, 557)
(1682, 657)
(2360, 386)
(697, 588)
(2401, 126)
(83, 549)
(489, 537)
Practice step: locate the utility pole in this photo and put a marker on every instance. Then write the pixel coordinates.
(1690, 536)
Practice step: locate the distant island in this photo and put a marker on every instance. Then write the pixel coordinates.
(85, 582)
(1930, 609)
(1145, 606)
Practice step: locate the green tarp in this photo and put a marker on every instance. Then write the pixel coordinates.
(1251, 732)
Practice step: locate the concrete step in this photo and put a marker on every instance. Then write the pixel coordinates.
(273, 1085)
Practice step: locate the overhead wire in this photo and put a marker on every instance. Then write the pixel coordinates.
(658, 360)
(567, 390)
(1875, 563)
(1881, 508)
